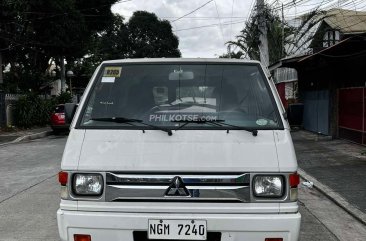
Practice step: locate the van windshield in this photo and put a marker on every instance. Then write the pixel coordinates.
(170, 95)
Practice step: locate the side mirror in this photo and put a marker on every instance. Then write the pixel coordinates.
(285, 116)
(70, 109)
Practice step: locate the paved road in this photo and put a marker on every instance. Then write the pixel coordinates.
(29, 194)
(336, 163)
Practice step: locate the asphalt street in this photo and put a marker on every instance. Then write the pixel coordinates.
(338, 164)
(29, 197)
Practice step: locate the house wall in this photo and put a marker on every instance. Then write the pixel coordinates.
(316, 111)
(329, 75)
(281, 92)
(287, 92)
(352, 114)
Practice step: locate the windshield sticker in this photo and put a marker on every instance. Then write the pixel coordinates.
(108, 79)
(180, 117)
(261, 122)
(112, 72)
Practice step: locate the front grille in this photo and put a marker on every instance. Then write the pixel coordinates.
(142, 236)
(195, 188)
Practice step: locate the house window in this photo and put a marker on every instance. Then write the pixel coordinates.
(331, 37)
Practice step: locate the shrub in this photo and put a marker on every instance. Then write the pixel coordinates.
(31, 110)
(64, 97)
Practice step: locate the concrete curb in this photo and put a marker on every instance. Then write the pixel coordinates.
(335, 197)
(29, 137)
(33, 136)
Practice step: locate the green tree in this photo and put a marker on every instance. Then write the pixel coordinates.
(143, 36)
(11, 31)
(112, 43)
(33, 32)
(151, 37)
(232, 55)
(281, 42)
(248, 39)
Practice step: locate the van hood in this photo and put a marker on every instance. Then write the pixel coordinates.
(184, 151)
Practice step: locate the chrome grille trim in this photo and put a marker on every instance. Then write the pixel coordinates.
(202, 188)
(165, 187)
(124, 179)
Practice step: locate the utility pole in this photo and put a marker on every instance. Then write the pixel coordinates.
(1, 68)
(62, 74)
(283, 35)
(263, 46)
(2, 95)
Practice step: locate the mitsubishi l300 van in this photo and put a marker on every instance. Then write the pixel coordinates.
(179, 149)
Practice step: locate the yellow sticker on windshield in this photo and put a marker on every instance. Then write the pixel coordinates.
(112, 72)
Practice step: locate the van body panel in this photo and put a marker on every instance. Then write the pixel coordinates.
(71, 155)
(138, 155)
(184, 151)
(285, 151)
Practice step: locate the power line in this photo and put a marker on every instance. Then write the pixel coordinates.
(231, 19)
(218, 15)
(185, 15)
(205, 18)
(210, 25)
(251, 10)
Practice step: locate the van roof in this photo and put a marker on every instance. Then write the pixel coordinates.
(172, 60)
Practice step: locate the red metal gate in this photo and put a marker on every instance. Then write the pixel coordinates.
(352, 115)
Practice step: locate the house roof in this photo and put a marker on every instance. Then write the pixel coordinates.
(285, 62)
(346, 21)
(354, 46)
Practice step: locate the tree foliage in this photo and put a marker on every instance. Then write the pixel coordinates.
(232, 55)
(248, 39)
(151, 37)
(283, 38)
(35, 34)
(144, 35)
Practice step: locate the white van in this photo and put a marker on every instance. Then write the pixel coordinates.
(179, 149)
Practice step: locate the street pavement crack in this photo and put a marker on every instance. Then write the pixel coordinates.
(26, 189)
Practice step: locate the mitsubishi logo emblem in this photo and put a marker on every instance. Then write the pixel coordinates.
(177, 188)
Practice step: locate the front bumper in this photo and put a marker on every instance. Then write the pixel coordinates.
(234, 227)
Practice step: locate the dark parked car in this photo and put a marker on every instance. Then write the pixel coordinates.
(58, 123)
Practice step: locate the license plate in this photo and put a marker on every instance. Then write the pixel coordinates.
(177, 229)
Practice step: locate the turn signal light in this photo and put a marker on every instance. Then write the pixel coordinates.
(294, 180)
(62, 178)
(82, 237)
(273, 239)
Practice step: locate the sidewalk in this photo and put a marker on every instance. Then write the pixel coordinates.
(30, 134)
(338, 165)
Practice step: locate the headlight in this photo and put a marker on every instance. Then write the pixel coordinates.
(88, 184)
(268, 186)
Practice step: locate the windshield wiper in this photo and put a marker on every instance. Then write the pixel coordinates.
(220, 123)
(130, 121)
